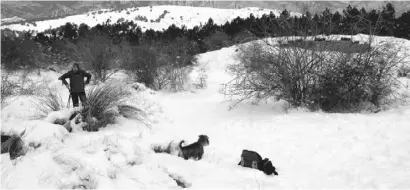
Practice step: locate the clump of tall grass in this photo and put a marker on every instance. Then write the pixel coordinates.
(101, 107)
(47, 103)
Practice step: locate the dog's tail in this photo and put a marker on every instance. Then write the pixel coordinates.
(180, 144)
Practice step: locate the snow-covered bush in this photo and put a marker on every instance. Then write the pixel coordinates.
(177, 78)
(354, 80)
(142, 64)
(78, 175)
(202, 78)
(161, 67)
(315, 77)
(26, 85)
(20, 83)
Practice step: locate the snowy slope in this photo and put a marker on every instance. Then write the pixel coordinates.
(178, 15)
(311, 150)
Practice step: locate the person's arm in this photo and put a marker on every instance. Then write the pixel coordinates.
(88, 75)
(64, 76)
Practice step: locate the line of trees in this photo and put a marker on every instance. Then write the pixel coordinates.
(108, 46)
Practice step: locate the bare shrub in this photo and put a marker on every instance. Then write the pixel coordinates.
(171, 74)
(142, 64)
(161, 66)
(22, 84)
(174, 63)
(266, 69)
(27, 86)
(315, 76)
(101, 56)
(171, 78)
(178, 77)
(202, 79)
(161, 80)
(7, 88)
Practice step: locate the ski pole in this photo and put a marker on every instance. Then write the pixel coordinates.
(69, 96)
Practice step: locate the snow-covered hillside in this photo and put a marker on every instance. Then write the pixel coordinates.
(311, 150)
(13, 19)
(178, 15)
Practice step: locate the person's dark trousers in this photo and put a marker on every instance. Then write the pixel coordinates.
(76, 95)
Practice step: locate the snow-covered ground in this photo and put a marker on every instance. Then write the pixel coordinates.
(13, 19)
(311, 150)
(178, 15)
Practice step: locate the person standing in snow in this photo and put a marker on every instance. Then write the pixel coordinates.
(77, 84)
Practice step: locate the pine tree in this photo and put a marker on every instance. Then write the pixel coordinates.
(388, 17)
(403, 26)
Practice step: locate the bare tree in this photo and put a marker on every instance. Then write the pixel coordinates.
(142, 63)
(174, 65)
(7, 88)
(100, 55)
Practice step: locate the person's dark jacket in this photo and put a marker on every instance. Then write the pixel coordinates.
(76, 80)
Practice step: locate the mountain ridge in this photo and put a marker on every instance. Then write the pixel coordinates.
(54, 9)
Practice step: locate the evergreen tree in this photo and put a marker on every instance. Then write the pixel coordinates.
(285, 14)
(403, 26)
(326, 21)
(83, 30)
(70, 31)
(388, 17)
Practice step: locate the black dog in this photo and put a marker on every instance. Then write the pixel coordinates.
(194, 150)
(252, 159)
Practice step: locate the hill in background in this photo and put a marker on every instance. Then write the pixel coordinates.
(54, 9)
